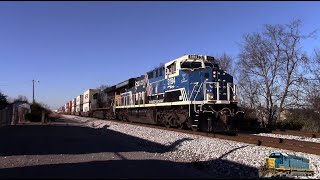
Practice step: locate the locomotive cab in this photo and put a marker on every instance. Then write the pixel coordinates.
(210, 91)
(275, 160)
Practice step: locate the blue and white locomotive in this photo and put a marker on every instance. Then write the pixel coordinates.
(190, 91)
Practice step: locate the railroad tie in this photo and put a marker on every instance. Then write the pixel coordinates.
(259, 142)
(281, 140)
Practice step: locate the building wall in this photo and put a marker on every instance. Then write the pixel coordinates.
(14, 114)
(6, 116)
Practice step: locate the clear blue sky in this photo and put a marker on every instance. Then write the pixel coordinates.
(74, 46)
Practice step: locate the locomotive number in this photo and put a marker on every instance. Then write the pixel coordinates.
(196, 57)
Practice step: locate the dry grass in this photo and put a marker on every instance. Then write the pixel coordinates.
(53, 116)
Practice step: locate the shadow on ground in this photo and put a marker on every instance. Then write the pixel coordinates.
(47, 139)
(155, 169)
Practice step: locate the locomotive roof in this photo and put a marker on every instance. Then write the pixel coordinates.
(111, 88)
(127, 82)
(290, 156)
(279, 153)
(193, 57)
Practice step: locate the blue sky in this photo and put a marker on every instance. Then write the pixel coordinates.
(73, 46)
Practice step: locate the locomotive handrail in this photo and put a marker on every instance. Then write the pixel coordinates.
(194, 105)
(196, 84)
(205, 93)
(228, 91)
(212, 109)
(189, 99)
(230, 87)
(240, 112)
(204, 90)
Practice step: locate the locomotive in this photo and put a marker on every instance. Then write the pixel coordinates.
(282, 164)
(191, 91)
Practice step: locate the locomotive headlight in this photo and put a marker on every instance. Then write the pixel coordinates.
(214, 75)
(210, 96)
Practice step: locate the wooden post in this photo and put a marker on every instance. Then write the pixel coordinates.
(42, 118)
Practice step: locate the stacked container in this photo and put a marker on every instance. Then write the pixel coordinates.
(87, 99)
(73, 108)
(66, 107)
(69, 107)
(79, 103)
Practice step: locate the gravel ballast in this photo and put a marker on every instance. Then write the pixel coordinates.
(299, 138)
(222, 158)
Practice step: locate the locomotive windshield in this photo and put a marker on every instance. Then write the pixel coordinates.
(191, 65)
(208, 64)
(275, 155)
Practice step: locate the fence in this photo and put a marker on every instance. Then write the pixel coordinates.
(14, 114)
(6, 115)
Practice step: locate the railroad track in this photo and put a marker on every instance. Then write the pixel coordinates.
(288, 144)
(297, 133)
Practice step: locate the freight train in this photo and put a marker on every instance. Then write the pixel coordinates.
(191, 91)
(282, 164)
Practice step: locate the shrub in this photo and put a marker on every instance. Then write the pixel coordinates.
(36, 112)
(311, 125)
(54, 116)
(294, 121)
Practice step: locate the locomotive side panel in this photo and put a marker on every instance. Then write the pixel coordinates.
(298, 163)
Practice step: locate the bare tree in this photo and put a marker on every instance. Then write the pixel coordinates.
(101, 97)
(3, 100)
(225, 62)
(269, 60)
(102, 87)
(249, 91)
(315, 67)
(21, 98)
(293, 56)
(45, 106)
(313, 83)
(316, 70)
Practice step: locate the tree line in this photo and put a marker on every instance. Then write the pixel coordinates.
(277, 79)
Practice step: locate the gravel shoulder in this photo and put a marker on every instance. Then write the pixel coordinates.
(81, 147)
(220, 158)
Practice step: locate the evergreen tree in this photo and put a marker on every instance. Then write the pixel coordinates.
(3, 101)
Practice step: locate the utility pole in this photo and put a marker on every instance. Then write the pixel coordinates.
(33, 89)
